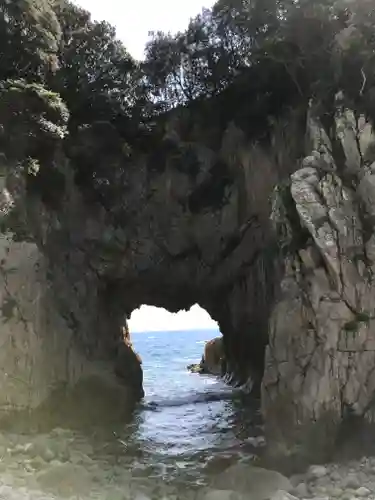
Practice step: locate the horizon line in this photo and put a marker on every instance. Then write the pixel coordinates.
(175, 330)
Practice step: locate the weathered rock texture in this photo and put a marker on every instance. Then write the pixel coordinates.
(40, 353)
(213, 360)
(199, 222)
(193, 229)
(320, 362)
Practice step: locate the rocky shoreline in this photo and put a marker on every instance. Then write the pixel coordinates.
(349, 481)
(353, 480)
(62, 465)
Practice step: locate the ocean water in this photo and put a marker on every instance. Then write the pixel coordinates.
(188, 429)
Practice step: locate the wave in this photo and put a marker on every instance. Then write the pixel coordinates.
(191, 399)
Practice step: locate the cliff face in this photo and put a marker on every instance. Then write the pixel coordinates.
(321, 354)
(171, 239)
(290, 268)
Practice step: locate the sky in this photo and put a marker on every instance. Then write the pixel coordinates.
(133, 21)
(149, 318)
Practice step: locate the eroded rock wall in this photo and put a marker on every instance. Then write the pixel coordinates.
(37, 352)
(158, 247)
(191, 228)
(320, 361)
(43, 348)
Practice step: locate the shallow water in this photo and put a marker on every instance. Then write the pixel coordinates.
(188, 428)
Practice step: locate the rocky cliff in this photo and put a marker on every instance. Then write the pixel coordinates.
(321, 354)
(276, 245)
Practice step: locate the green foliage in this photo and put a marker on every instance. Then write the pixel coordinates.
(29, 37)
(245, 61)
(33, 122)
(351, 326)
(360, 317)
(363, 317)
(31, 117)
(96, 76)
(314, 48)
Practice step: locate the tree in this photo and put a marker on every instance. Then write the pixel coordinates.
(29, 39)
(96, 76)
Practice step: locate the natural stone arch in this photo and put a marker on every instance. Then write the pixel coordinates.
(264, 271)
(172, 240)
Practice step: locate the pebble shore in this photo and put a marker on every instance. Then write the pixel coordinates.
(354, 480)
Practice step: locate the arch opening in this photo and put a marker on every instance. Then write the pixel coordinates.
(149, 318)
(175, 343)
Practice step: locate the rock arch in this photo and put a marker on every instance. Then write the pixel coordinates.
(264, 269)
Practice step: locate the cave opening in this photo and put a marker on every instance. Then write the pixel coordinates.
(168, 344)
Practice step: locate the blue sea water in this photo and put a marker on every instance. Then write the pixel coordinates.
(185, 416)
(188, 428)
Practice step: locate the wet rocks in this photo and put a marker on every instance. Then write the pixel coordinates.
(351, 481)
(195, 368)
(221, 495)
(128, 368)
(66, 479)
(283, 495)
(255, 482)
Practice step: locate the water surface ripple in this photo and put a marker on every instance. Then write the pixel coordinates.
(187, 429)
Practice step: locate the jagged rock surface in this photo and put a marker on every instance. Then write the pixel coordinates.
(320, 362)
(179, 233)
(171, 239)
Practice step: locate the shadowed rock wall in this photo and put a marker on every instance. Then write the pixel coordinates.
(289, 267)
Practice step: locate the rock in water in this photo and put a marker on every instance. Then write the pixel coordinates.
(195, 368)
(255, 482)
(213, 357)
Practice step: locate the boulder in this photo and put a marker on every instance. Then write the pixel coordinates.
(254, 482)
(195, 368)
(213, 357)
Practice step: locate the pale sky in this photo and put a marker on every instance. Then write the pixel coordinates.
(149, 318)
(135, 19)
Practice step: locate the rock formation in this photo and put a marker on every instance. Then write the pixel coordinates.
(213, 359)
(278, 252)
(321, 354)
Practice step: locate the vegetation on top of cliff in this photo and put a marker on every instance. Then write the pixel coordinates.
(33, 119)
(30, 34)
(243, 61)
